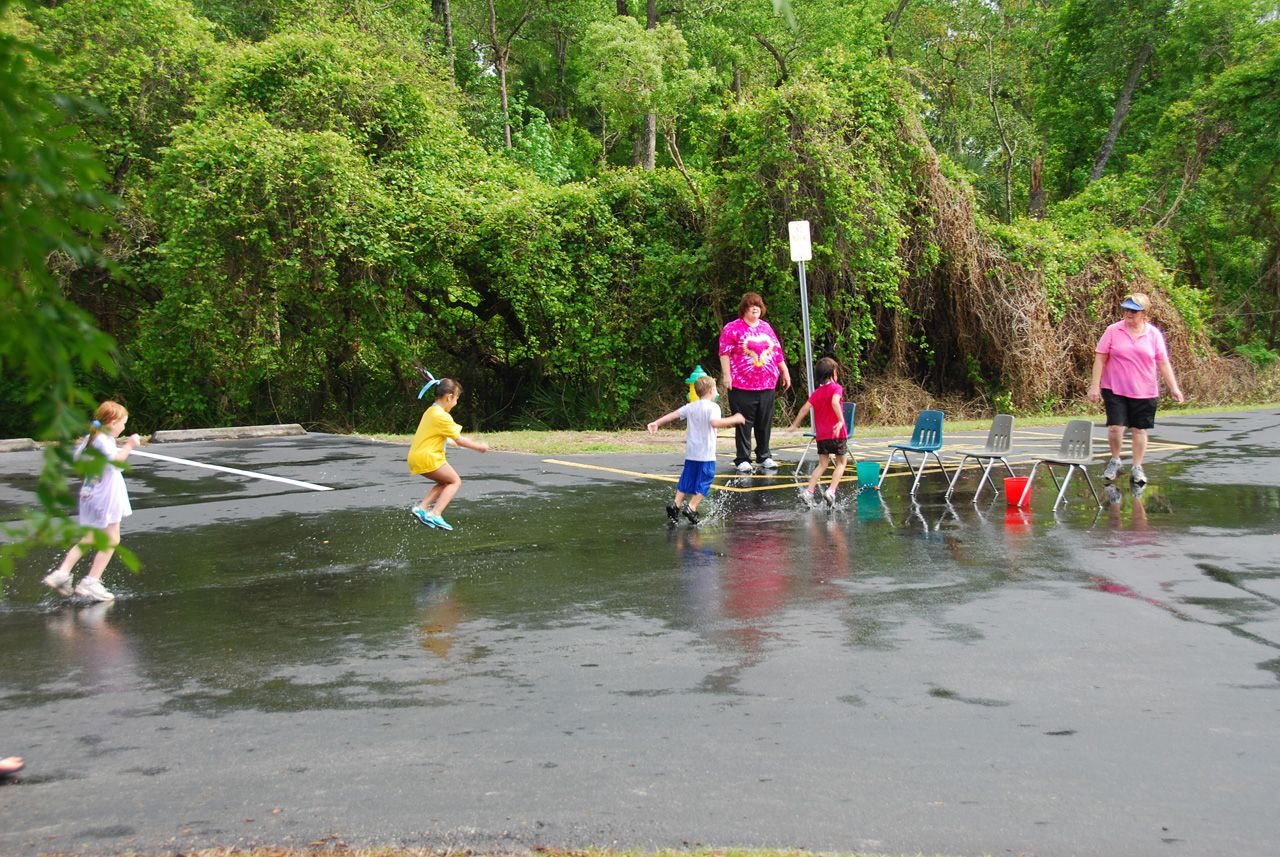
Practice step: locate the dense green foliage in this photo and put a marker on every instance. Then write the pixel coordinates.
(315, 196)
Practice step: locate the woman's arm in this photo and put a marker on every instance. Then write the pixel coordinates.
(1095, 383)
(1170, 380)
(725, 375)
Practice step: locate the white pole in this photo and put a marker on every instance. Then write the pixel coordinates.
(802, 251)
(808, 341)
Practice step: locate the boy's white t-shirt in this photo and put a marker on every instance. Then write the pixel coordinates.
(700, 436)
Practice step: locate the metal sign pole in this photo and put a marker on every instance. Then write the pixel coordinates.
(802, 251)
(808, 341)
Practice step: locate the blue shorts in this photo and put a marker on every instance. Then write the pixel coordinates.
(696, 477)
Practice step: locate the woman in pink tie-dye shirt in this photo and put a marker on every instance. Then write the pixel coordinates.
(751, 361)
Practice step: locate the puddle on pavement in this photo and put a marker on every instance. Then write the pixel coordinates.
(369, 609)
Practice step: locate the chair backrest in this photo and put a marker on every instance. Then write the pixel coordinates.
(1077, 440)
(1000, 438)
(928, 430)
(850, 408)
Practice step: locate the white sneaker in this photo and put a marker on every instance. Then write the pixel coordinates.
(830, 496)
(769, 464)
(1112, 471)
(59, 582)
(745, 467)
(806, 497)
(1137, 475)
(91, 587)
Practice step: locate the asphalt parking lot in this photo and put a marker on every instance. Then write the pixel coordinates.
(297, 666)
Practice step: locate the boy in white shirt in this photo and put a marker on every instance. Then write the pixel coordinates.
(702, 418)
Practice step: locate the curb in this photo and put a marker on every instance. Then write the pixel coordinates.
(18, 444)
(232, 433)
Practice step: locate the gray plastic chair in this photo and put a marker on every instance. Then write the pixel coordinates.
(925, 439)
(849, 408)
(999, 440)
(1075, 453)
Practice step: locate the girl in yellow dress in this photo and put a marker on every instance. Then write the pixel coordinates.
(426, 454)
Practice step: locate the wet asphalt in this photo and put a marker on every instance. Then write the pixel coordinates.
(303, 668)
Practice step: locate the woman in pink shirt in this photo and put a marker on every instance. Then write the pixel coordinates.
(751, 360)
(1130, 359)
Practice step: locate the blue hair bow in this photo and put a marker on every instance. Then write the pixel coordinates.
(98, 424)
(432, 380)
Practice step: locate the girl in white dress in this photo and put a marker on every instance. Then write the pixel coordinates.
(104, 502)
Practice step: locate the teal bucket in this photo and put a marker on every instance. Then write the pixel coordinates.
(868, 474)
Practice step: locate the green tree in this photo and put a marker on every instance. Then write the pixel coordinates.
(630, 71)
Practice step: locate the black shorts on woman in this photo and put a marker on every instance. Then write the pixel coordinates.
(1128, 411)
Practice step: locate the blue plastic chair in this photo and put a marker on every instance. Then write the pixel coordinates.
(926, 440)
(849, 408)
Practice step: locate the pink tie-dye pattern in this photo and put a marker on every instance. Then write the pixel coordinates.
(754, 354)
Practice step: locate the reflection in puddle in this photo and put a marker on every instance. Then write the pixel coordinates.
(364, 609)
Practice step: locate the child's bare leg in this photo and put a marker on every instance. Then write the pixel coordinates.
(693, 502)
(447, 484)
(679, 499)
(102, 557)
(817, 472)
(838, 472)
(73, 556)
(425, 503)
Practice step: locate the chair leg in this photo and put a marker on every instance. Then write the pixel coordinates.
(924, 459)
(986, 477)
(1071, 468)
(1005, 462)
(951, 486)
(1089, 482)
(1026, 489)
(887, 465)
(803, 456)
(1054, 476)
(941, 466)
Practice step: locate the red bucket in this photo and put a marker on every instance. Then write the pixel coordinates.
(1014, 486)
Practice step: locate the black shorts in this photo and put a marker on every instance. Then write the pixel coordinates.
(837, 446)
(1126, 411)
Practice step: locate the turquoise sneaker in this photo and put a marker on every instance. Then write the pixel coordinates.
(422, 516)
(439, 522)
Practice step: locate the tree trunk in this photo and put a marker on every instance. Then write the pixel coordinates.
(506, 115)
(501, 55)
(649, 156)
(442, 12)
(1035, 197)
(1123, 105)
(891, 21)
(778, 57)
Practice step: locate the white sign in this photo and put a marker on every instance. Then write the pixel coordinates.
(800, 249)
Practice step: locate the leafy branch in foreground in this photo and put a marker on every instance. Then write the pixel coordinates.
(49, 209)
